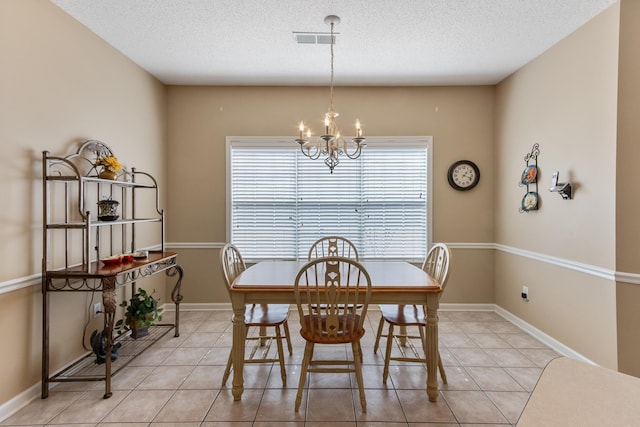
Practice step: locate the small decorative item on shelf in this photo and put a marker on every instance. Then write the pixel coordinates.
(108, 209)
(141, 255)
(110, 167)
(141, 311)
(112, 260)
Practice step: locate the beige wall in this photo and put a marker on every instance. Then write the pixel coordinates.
(460, 119)
(627, 203)
(59, 84)
(565, 100)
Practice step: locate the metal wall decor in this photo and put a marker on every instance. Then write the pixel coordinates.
(529, 178)
(562, 188)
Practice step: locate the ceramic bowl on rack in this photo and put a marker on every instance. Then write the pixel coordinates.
(127, 258)
(112, 260)
(140, 255)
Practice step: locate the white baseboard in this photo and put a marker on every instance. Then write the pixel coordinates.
(544, 338)
(467, 307)
(528, 328)
(18, 402)
(171, 307)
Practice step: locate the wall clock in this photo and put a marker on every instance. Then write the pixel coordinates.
(463, 175)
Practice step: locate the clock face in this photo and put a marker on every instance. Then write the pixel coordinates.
(463, 175)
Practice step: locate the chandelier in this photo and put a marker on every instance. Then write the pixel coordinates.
(331, 144)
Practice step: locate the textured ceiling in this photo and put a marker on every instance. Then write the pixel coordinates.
(380, 42)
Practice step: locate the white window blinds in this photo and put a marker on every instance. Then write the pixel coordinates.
(280, 202)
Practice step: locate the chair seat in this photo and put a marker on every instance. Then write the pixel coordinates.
(320, 335)
(403, 315)
(266, 314)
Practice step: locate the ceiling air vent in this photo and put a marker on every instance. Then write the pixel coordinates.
(314, 38)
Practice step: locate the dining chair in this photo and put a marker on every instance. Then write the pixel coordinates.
(436, 264)
(326, 292)
(261, 316)
(333, 246)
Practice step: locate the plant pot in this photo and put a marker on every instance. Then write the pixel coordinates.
(108, 174)
(139, 332)
(108, 210)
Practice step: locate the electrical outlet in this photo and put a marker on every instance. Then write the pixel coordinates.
(525, 293)
(97, 308)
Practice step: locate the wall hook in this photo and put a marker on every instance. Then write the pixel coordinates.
(564, 188)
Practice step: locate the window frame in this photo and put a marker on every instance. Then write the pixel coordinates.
(372, 141)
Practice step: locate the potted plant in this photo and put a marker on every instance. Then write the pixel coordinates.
(141, 311)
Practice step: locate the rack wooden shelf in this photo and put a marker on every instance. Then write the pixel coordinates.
(71, 190)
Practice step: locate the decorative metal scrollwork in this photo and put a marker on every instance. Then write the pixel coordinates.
(176, 296)
(98, 284)
(529, 178)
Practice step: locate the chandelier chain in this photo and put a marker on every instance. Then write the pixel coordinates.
(331, 90)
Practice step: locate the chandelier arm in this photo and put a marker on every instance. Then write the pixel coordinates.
(307, 153)
(355, 154)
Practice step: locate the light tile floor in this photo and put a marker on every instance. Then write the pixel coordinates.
(491, 365)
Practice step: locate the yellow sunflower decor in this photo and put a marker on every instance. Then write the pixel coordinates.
(110, 167)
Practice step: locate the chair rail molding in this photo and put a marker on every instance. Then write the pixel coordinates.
(631, 278)
(592, 270)
(20, 282)
(603, 273)
(195, 245)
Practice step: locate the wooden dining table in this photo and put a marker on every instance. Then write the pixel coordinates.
(392, 282)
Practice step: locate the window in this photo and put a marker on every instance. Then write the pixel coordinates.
(280, 202)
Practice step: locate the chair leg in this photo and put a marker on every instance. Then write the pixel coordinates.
(421, 331)
(378, 335)
(385, 372)
(227, 370)
(263, 333)
(443, 375)
(441, 368)
(288, 337)
(308, 351)
(357, 356)
(283, 372)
